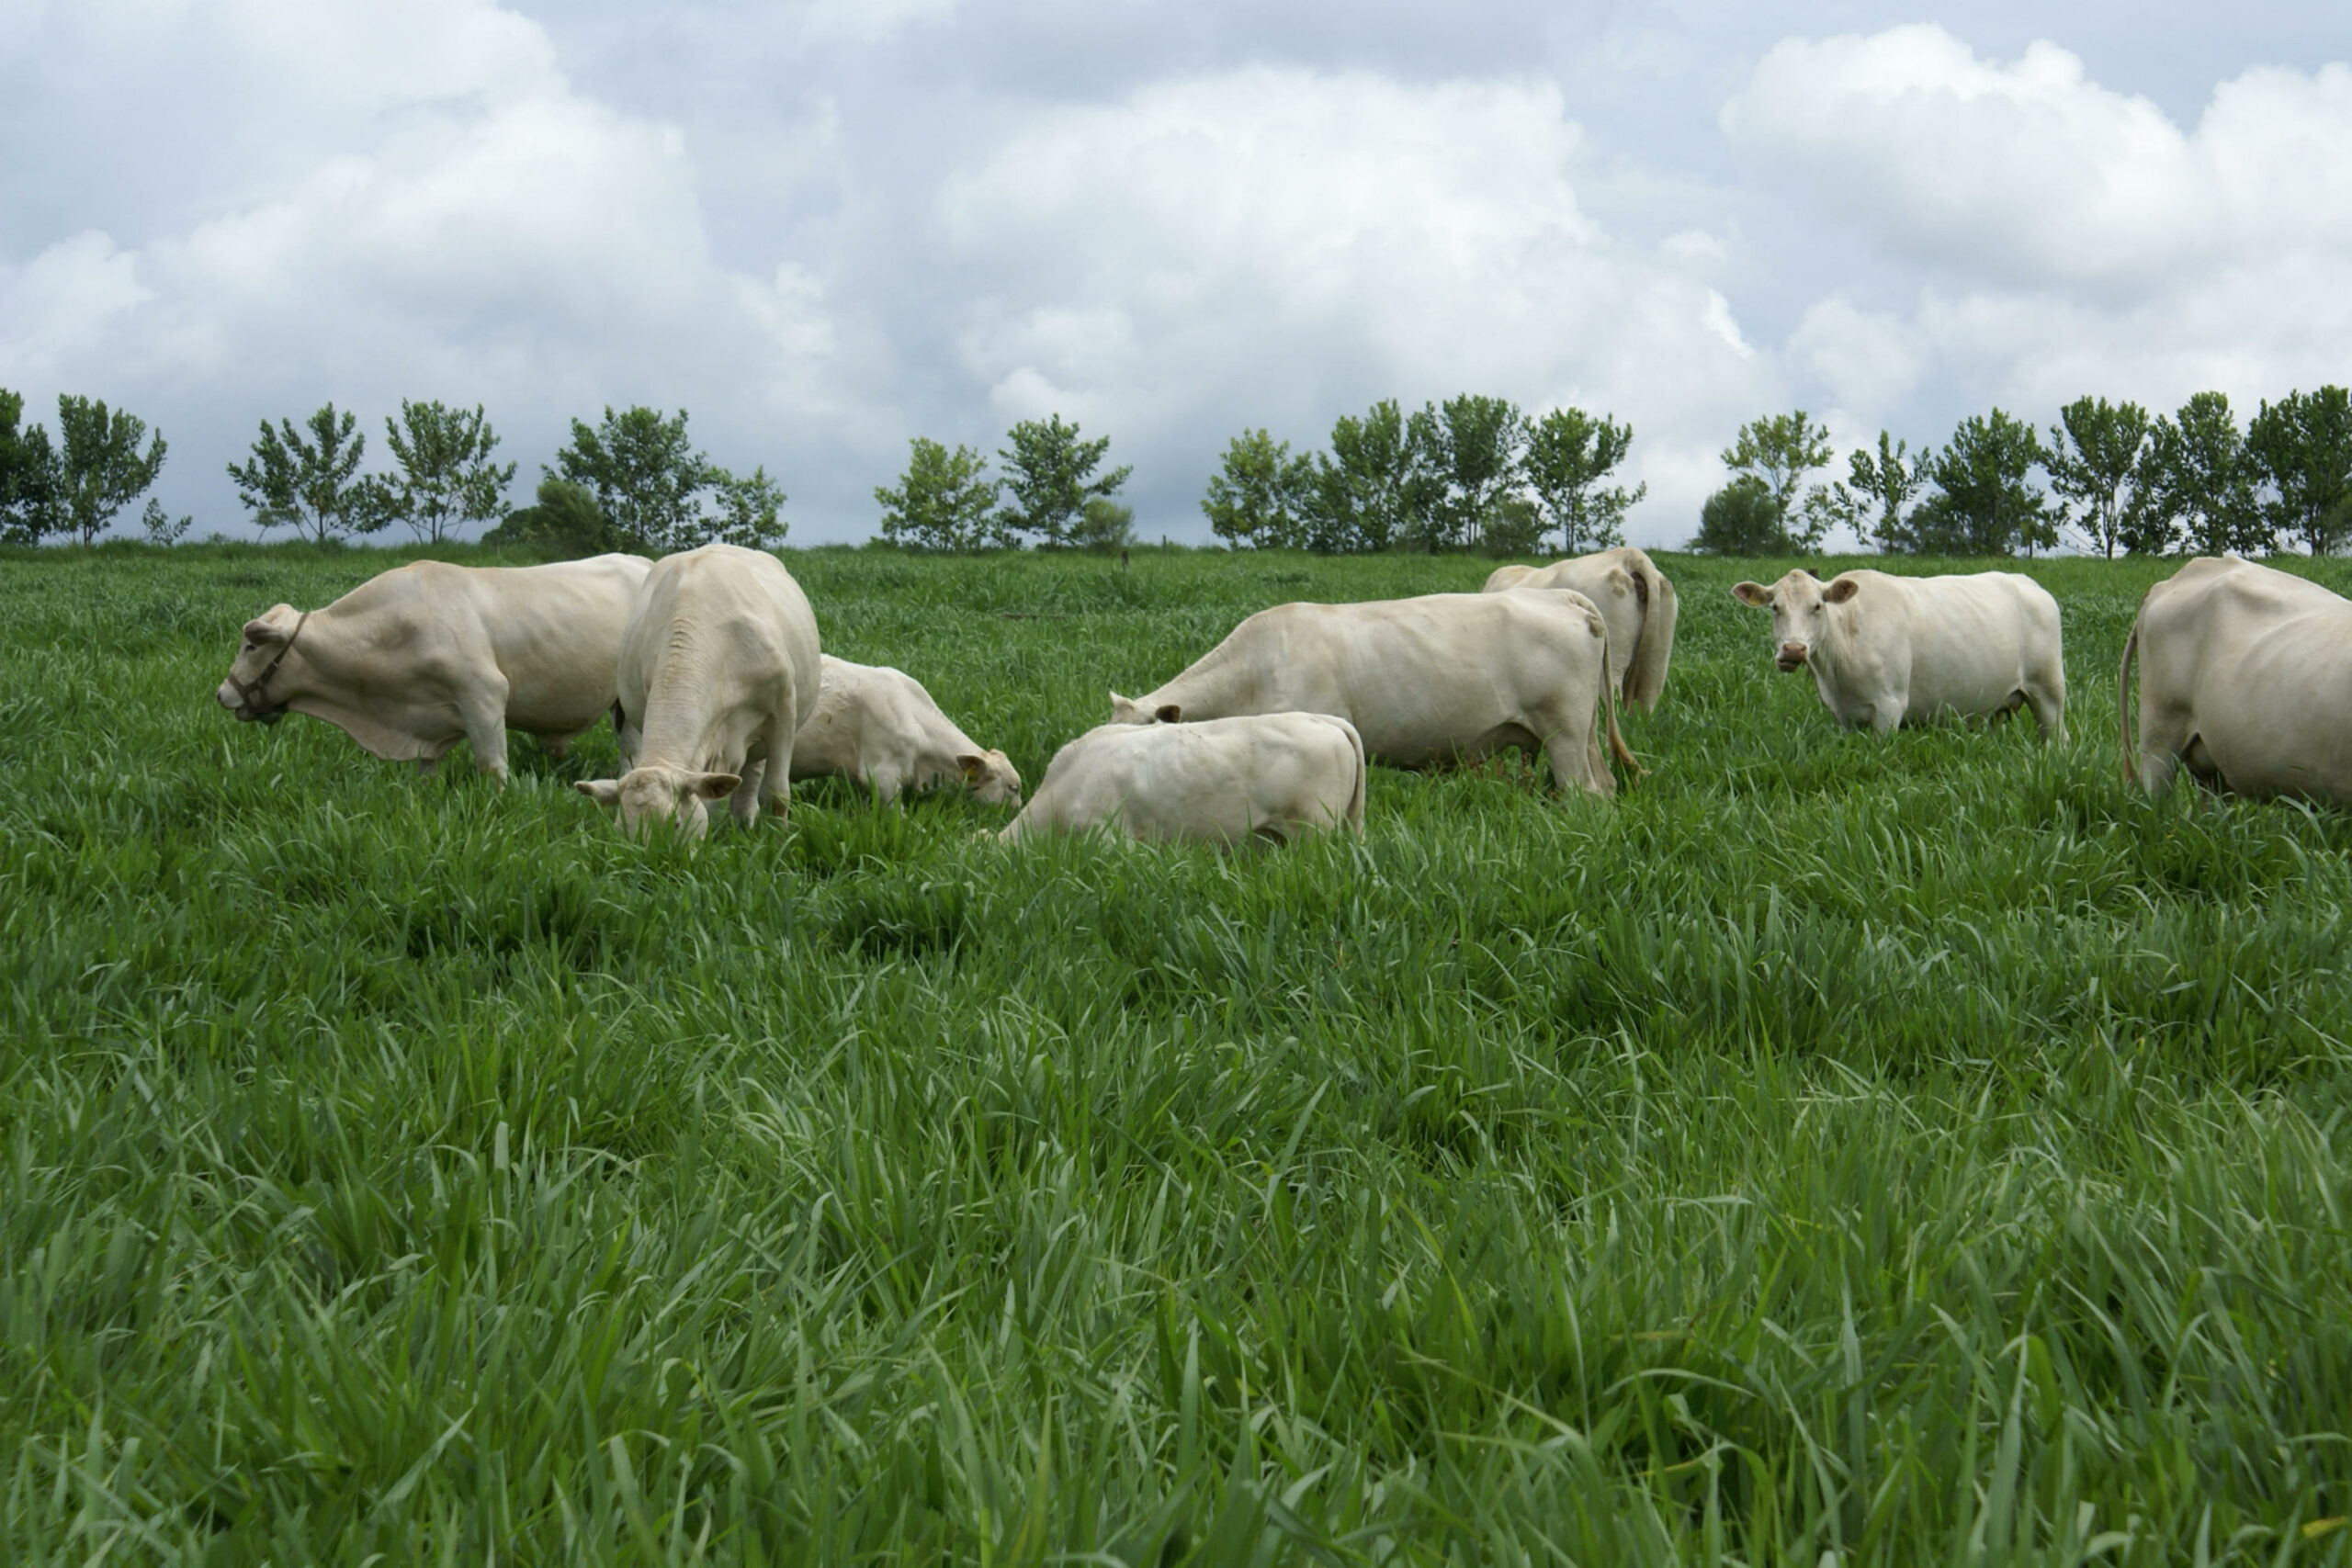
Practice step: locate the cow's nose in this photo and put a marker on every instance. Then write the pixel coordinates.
(1791, 655)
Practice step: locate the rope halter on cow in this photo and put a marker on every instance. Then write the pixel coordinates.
(249, 705)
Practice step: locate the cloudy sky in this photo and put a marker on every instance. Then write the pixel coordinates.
(825, 226)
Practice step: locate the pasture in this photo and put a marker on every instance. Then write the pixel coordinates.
(1836, 1149)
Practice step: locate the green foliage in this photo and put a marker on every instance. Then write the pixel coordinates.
(448, 478)
(1742, 519)
(1875, 498)
(1899, 1150)
(564, 523)
(1569, 452)
(1050, 475)
(659, 494)
(2301, 446)
(2093, 460)
(98, 465)
(28, 476)
(1778, 451)
(1103, 526)
(313, 486)
(160, 527)
(1261, 495)
(944, 501)
(1371, 491)
(1985, 501)
(2197, 489)
(1470, 447)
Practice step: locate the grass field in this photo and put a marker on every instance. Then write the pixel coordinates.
(1836, 1149)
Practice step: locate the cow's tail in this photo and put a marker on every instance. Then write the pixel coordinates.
(2123, 700)
(1635, 771)
(1355, 797)
(1645, 672)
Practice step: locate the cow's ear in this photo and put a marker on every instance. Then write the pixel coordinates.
(604, 792)
(1754, 593)
(1838, 592)
(972, 768)
(261, 629)
(1169, 713)
(715, 786)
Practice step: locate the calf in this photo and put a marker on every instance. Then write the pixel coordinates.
(2246, 676)
(719, 670)
(1888, 650)
(417, 658)
(1632, 596)
(1426, 680)
(1221, 781)
(879, 726)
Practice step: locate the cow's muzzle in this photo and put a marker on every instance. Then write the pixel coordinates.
(1792, 655)
(250, 706)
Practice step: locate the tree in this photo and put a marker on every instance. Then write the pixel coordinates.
(312, 485)
(1472, 447)
(1051, 475)
(99, 469)
(1778, 451)
(1514, 526)
(2093, 460)
(659, 494)
(1103, 524)
(1260, 496)
(448, 478)
(1569, 454)
(2302, 447)
(2197, 486)
(1984, 504)
(28, 477)
(944, 502)
(1742, 519)
(564, 521)
(1875, 499)
(160, 527)
(1373, 491)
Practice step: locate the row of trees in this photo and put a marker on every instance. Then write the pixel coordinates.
(2117, 479)
(1470, 473)
(75, 484)
(1052, 494)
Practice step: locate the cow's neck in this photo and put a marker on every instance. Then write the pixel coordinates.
(1832, 652)
(680, 727)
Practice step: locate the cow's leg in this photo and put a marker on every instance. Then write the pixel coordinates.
(2165, 739)
(483, 710)
(1575, 763)
(887, 780)
(744, 803)
(428, 766)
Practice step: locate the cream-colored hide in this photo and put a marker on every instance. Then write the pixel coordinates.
(719, 670)
(1632, 596)
(878, 726)
(417, 658)
(1889, 650)
(2246, 675)
(1429, 679)
(1222, 780)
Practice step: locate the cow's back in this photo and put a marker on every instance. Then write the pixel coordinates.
(2259, 661)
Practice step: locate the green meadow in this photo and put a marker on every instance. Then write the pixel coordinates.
(1838, 1149)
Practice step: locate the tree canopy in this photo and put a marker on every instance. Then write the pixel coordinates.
(313, 486)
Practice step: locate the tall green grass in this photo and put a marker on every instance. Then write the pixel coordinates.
(1837, 1148)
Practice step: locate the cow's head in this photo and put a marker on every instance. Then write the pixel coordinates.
(658, 793)
(1127, 710)
(255, 676)
(991, 777)
(1799, 606)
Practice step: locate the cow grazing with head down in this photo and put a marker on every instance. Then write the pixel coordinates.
(1890, 651)
(2245, 677)
(1443, 677)
(1631, 596)
(718, 670)
(417, 658)
(878, 726)
(1268, 777)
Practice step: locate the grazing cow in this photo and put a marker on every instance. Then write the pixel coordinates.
(1222, 781)
(1889, 650)
(417, 658)
(1426, 680)
(879, 726)
(1632, 596)
(718, 670)
(2246, 675)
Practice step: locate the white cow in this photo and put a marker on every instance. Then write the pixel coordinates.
(719, 670)
(2245, 675)
(1423, 681)
(417, 658)
(878, 726)
(1888, 650)
(1221, 781)
(1632, 596)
